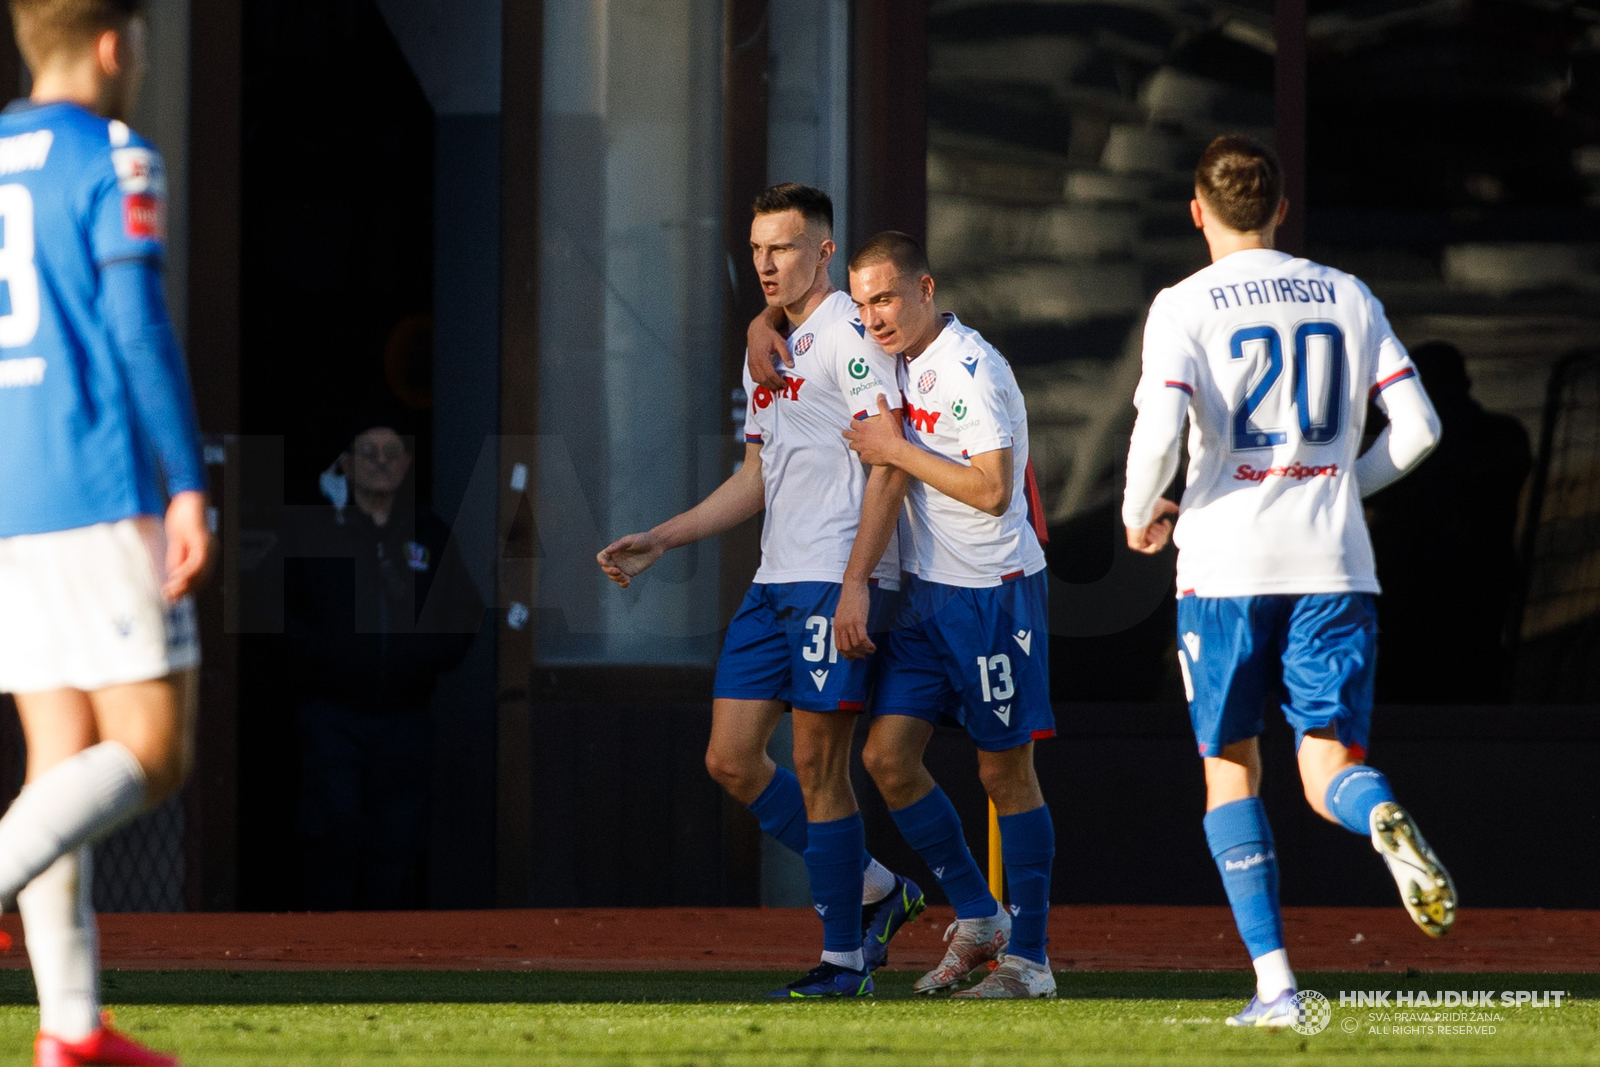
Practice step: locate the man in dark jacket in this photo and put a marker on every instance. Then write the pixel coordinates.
(376, 606)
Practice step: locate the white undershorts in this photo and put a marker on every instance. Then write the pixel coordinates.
(82, 609)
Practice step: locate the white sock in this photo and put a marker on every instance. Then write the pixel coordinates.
(64, 946)
(877, 882)
(1273, 976)
(74, 803)
(855, 961)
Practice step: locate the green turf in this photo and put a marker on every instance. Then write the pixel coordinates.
(485, 1019)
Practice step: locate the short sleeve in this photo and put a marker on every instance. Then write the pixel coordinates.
(864, 372)
(981, 406)
(752, 408)
(1170, 359)
(128, 211)
(1392, 363)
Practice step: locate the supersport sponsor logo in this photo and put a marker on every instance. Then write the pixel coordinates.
(790, 391)
(1297, 471)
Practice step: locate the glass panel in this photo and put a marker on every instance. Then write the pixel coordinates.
(630, 304)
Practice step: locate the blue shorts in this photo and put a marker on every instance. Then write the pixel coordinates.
(978, 656)
(1326, 642)
(780, 647)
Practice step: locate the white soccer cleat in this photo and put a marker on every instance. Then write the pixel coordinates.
(1014, 979)
(1425, 886)
(973, 943)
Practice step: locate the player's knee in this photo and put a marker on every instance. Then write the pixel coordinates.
(732, 771)
(893, 771)
(166, 768)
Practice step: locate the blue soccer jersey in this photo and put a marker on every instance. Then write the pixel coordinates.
(94, 397)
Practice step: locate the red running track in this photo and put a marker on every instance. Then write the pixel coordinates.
(1083, 938)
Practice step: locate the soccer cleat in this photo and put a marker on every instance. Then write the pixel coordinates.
(827, 980)
(1014, 979)
(104, 1047)
(973, 943)
(1274, 1014)
(881, 921)
(1425, 886)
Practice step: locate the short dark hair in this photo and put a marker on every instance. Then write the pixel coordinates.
(1241, 180)
(45, 27)
(901, 249)
(813, 204)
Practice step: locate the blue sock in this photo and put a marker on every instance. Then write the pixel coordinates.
(782, 810)
(1028, 846)
(1352, 795)
(1241, 843)
(932, 827)
(833, 860)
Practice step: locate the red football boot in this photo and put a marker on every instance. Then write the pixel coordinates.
(104, 1047)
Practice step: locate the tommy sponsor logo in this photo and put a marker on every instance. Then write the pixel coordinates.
(1191, 641)
(1297, 471)
(1003, 713)
(921, 419)
(802, 346)
(1024, 639)
(790, 391)
(26, 151)
(927, 381)
(1254, 860)
(821, 678)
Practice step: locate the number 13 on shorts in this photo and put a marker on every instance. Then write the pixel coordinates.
(999, 668)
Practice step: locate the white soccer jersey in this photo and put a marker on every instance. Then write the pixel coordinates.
(1279, 356)
(961, 400)
(814, 484)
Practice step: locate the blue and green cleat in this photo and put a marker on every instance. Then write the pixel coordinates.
(827, 980)
(881, 921)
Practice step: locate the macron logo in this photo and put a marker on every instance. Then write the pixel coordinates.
(1024, 638)
(1191, 641)
(822, 909)
(1016, 909)
(1004, 713)
(938, 872)
(821, 678)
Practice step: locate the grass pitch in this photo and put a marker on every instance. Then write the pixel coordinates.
(486, 1019)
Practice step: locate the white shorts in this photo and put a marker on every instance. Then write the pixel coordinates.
(82, 609)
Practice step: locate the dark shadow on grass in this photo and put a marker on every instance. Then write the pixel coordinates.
(689, 987)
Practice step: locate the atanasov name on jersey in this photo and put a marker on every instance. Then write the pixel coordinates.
(1279, 357)
(1274, 291)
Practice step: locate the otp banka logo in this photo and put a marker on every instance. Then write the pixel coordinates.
(858, 368)
(790, 391)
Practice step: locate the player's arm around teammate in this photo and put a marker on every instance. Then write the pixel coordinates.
(976, 595)
(1273, 360)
